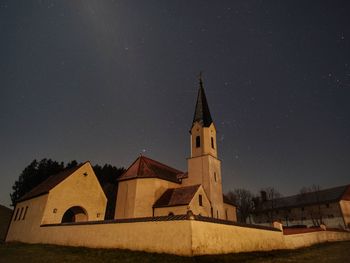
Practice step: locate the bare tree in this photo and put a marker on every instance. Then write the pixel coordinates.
(312, 193)
(269, 195)
(244, 201)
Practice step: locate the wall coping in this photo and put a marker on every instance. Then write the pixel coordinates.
(165, 218)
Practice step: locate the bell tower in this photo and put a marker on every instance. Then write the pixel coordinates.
(203, 165)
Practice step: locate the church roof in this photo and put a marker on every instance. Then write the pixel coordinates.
(227, 200)
(311, 198)
(145, 167)
(202, 113)
(49, 183)
(177, 196)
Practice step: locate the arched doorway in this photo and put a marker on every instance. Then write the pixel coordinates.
(75, 214)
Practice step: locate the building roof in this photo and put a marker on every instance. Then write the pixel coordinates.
(202, 113)
(49, 183)
(311, 198)
(228, 201)
(177, 196)
(145, 167)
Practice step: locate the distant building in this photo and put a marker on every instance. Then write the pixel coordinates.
(330, 207)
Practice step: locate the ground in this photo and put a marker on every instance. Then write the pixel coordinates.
(17, 252)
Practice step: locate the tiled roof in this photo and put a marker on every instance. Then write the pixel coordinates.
(228, 201)
(202, 113)
(322, 196)
(49, 183)
(145, 167)
(177, 196)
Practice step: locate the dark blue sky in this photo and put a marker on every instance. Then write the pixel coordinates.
(106, 80)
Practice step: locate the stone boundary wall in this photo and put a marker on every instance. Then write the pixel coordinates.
(181, 236)
(308, 239)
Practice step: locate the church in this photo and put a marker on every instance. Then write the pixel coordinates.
(147, 188)
(158, 208)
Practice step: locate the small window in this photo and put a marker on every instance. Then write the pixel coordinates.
(200, 200)
(20, 214)
(198, 141)
(226, 214)
(217, 214)
(25, 212)
(327, 205)
(170, 214)
(212, 212)
(16, 214)
(212, 142)
(215, 176)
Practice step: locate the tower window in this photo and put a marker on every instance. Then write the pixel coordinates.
(215, 176)
(212, 142)
(200, 200)
(198, 141)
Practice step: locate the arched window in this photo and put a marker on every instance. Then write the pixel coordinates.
(215, 176)
(212, 142)
(75, 214)
(198, 141)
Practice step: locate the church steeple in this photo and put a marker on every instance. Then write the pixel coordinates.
(204, 167)
(203, 132)
(202, 113)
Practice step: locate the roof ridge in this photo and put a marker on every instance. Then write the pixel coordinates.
(65, 173)
(312, 192)
(172, 168)
(144, 160)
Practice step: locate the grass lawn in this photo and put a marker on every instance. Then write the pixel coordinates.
(18, 252)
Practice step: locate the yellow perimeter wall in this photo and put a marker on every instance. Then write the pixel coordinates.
(182, 237)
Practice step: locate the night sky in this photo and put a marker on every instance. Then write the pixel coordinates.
(107, 80)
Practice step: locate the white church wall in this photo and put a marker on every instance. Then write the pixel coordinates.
(176, 210)
(136, 197)
(79, 189)
(183, 237)
(24, 228)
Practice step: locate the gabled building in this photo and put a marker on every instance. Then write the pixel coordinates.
(74, 195)
(330, 207)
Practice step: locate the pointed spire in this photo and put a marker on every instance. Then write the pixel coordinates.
(202, 113)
